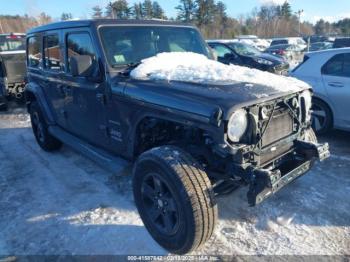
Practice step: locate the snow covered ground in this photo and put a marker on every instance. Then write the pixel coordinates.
(62, 203)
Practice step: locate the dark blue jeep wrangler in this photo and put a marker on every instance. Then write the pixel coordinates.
(189, 142)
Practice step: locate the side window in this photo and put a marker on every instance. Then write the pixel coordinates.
(222, 50)
(79, 44)
(34, 52)
(52, 52)
(337, 66)
(346, 66)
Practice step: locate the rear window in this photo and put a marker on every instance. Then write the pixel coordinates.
(12, 43)
(34, 53)
(279, 42)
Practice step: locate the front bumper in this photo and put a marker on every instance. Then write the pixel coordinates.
(265, 183)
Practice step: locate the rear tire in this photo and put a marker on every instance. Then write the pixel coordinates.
(174, 198)
(322, 118)
(40, 129)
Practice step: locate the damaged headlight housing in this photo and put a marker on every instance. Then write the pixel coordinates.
(237, 125)
(307, 97)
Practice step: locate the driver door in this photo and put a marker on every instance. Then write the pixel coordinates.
(85, 110)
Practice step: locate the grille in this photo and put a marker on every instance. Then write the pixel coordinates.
(280, 126)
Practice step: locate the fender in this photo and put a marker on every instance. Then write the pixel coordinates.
(215, 131)
(34, 92)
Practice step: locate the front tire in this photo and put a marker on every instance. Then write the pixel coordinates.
(174, 198)
(40, 129)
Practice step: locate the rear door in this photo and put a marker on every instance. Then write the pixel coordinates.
(84, 97)
(336, 79)
(52, 73)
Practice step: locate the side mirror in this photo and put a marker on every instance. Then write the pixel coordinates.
(82, 65)
(230, 57)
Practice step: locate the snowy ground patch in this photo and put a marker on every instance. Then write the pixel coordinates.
(191, 67)
(63, 204)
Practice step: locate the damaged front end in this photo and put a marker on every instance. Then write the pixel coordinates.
(279, 146)
(265, 182)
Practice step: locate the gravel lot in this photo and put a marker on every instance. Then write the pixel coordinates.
(62, 203)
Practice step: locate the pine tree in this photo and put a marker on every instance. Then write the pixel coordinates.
(186, 11)
(66, 16)
(205, 12)
(121, 9)
(97, 12)
(137, 11)
(286, 10)
(158, 11)
(147, 9)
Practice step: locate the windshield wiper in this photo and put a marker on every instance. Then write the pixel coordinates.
(128, 68)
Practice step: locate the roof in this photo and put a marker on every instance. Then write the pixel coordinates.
(331, 51)
(97, 22)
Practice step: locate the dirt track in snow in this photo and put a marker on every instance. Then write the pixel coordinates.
(62, 203)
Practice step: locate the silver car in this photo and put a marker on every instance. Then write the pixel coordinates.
(328, 72)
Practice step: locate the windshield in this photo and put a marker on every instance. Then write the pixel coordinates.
(245, 50)
(129, 45)
(12, 43)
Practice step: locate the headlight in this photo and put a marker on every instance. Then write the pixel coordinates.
(237, 125)
(306, 95)
(263, 61)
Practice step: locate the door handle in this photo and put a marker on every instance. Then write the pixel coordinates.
(62, 89)
(336, 84)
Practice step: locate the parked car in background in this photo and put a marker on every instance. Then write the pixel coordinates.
(233, 52)
(318, 46)
(254, 41)
(12, 64)
(289, 52)
(341, 42)
(300, 44)
(328, 72)
(189, 141)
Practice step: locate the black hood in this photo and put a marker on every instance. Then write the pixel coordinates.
(201, 99)
(14, 66)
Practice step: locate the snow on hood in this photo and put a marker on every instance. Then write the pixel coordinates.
(196, 68)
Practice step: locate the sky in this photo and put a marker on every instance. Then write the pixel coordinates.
(313, 9)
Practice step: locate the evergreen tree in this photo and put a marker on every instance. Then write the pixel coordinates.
(66, 16)
(121, 9)
(205, 12)
(186, 11)
(147, 9)
(286, 10)
(97, 12)
(137, 11)
(158, 11)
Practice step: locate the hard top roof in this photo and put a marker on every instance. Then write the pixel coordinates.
(98, 22)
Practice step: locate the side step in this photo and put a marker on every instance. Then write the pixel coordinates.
(116, 165)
